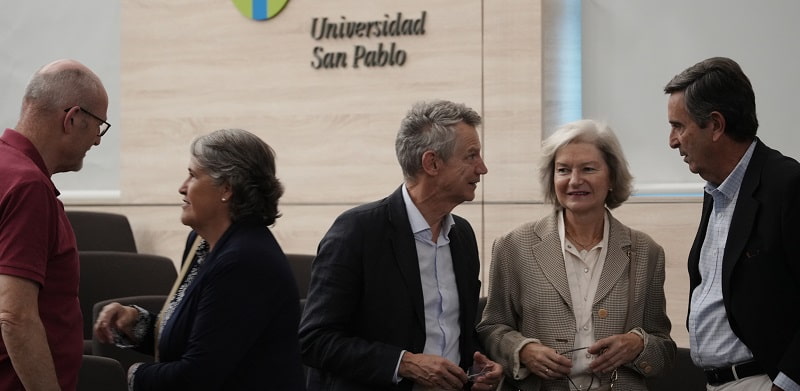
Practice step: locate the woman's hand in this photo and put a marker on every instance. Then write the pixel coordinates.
(615, 351)
(544, 362)
(492, 373)
(115, 317)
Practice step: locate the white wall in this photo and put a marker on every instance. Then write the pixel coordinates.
(36, 32)
(631, 49)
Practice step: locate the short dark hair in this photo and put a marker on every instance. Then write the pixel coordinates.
(430, 126)
(719, 84)
(245, 162)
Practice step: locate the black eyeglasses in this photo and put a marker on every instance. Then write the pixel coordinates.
(104, 125)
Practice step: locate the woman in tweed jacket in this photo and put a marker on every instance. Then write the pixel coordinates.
(576, 299)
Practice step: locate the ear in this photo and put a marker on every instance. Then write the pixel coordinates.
(69, 120)
(227, 191)
(717, 125)
(430, 163)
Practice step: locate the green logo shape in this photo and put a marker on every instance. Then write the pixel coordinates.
(260, 9)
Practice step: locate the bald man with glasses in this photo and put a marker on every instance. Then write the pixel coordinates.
(41, 327)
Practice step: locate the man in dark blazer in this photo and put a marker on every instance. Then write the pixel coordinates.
(744, 267)
(394, 287)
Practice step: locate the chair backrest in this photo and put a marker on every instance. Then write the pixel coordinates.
(684, 376)
(101, 231)
(110, 274)
(101, 374)
(126, 357)
(301, 267)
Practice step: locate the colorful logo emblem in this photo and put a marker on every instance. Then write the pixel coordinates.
(260, 9)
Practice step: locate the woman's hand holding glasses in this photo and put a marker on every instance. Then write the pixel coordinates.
(544, 362)
(615, 351)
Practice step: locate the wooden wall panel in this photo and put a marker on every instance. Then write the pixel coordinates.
(189, 67)
(512, 99)
(188, 73)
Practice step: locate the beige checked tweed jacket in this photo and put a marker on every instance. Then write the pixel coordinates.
(529, 297)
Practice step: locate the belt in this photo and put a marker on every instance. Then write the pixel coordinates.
(717, 376)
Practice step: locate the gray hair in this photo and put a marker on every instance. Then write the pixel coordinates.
(602, 137)
(63, 87)
(430, 126)
(247, 164)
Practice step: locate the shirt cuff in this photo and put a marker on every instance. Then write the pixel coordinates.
(519, 370)
(397, 379)
(786, 383)
(139, 330)
(643, 335)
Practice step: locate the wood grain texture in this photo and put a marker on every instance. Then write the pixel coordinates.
(190, 67)
(189, 73)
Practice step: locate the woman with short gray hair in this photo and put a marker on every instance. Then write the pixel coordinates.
(233, 315)
(576, 299)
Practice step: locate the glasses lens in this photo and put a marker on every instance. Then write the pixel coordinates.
(103, 128)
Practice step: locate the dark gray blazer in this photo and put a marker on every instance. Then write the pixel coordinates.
(365, 301)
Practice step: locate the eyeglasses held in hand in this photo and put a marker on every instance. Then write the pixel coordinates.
(476, 372)
(614, 374)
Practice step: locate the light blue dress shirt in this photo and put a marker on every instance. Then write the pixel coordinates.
(711, 340)
(439, 289)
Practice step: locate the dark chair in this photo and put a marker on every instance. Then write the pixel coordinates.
(301, 267)
(101, 231)
(101, 374)
(126, 357)
(684, 376)
(110, 274)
